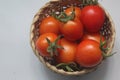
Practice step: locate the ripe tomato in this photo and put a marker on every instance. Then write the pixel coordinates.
(49, 24)
(42, 44)
(67, 54)
(88, 53)
(93, 18)
(94, 36)
(72, 30)
(69, 10)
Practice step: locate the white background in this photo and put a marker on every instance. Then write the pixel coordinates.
(17, 60)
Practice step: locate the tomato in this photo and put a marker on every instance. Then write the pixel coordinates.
(72, 30)
(49, 24)
(94, 36)
(93, 18)
(88, 53)
(69, 10)
(42, 44)
(67, 54)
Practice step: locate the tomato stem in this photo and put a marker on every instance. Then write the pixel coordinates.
(104, 49)
(90, 2)
(108, 55)
(63, 17)
(53, 46)
(71, 66)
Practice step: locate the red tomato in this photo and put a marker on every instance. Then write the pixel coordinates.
(94, 36)
(88, 53)
(49, 24)
(42, 44)
(69, 10)
(93, 18)
(72, 30)
(68, 53)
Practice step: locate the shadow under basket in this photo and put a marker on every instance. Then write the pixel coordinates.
(108, 31)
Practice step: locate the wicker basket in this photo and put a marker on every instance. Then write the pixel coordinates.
(108, 30)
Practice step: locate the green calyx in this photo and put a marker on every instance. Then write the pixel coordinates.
(90, 2)
(53, 46)
(70, 67)
(63, 17)
(104, 49)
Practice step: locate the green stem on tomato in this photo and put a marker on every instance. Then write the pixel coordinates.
(70, 67)
(90, 2)
(104, 49)
(108, 55)
(53, 46)
(63, 17)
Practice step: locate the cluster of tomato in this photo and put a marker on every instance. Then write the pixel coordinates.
(80, 42)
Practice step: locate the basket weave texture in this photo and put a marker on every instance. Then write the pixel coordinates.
(108, 30)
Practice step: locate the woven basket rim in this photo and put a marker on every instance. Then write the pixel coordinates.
(53, 68)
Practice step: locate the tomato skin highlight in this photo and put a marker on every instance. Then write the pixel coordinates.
(68, 11)
(42, 44)
(49, 25)
(72, 30)
(93, 18)
(88, 53)
(93, 36)
(67, 54)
